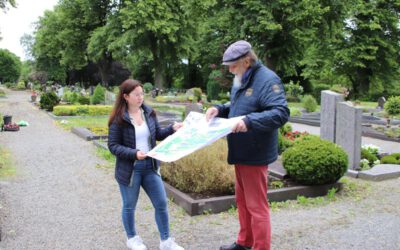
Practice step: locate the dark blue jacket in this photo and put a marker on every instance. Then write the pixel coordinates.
(122, 143)
(261, 99)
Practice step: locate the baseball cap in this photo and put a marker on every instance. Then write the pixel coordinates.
(235, 51)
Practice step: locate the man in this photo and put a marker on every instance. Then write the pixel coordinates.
(258, 95)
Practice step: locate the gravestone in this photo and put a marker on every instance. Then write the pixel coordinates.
(381, 102)
(193, 107)
(329, 100)
(109, 98)
(348, 131)
(91, 89)
(60, 92)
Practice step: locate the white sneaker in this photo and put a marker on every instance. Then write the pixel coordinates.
(170, 244)
(135, 243)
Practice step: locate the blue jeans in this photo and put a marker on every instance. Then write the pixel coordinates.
(144, 175)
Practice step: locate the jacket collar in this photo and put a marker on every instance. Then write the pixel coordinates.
(249, 73)
(146, 111)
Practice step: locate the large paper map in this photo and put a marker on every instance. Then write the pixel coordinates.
(195, 133)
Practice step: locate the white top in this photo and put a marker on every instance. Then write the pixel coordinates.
(142, 135)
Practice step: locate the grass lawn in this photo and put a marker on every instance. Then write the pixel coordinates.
(6, 164)
(86, 122)
(299, 106)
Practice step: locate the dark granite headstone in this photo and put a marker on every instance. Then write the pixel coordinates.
(381, 102)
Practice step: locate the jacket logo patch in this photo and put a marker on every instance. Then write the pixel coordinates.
(276, 88)
(249, 92)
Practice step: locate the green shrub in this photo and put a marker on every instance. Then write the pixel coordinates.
(314, 161)
(213, 84)
(2, 92)
(293, 91)
(340, 89)
(21, 85)
(70, 97)
(166, 99)
(309, 103)
(98, 95)
(82, 110)
(392, 106)
(197, 94)
(147, 87)
(283, 143)
(391, 159)
(204, 171)
(370, 157)
(286, 128)
(317, 91)
(295, 111)
(83, 100)
(48, 101)
(9, 84)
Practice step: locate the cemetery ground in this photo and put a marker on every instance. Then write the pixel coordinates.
(63, 196)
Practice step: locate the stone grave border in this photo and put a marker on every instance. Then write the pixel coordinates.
(87, 134)
(223, 203)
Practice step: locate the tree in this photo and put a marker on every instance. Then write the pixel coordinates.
(10, 66)
(27, 42)
(368, 53)
(47, 46)
(3, 6)
(161, 29)
(3, 3)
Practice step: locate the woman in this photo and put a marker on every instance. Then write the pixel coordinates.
(133, 131)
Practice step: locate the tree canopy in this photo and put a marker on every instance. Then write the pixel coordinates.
(353, 43)
(10, 66)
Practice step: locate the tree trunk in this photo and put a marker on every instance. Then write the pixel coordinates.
(104, 67)
(159, 64)
(362, 83)
(270, 62)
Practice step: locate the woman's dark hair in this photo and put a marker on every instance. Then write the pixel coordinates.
(120, 105)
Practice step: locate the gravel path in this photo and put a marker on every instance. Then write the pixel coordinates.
(61, 199)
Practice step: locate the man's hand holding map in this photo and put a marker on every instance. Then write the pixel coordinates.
(195, 134)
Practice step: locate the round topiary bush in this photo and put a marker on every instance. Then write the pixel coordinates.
(315, 161)
(392, 106)
(391, 159)
(147, 87)
(48, 101)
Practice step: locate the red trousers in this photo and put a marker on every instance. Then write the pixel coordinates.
(251, 199)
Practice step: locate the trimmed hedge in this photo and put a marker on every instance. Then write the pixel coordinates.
(89, 110)
(391, 159)
(313, 161)
(204, 171)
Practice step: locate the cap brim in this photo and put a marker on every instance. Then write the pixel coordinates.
(229, 63)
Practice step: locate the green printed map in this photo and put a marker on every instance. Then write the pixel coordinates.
(195, 134)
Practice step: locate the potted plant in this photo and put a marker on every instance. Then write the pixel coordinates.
(34, 95)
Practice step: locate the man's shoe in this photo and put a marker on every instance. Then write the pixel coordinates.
(234, 246)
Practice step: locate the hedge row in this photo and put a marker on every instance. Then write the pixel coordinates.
(90, 110)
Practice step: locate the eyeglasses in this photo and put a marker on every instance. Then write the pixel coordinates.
(138, 94)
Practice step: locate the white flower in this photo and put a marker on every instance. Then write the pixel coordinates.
(377, 162)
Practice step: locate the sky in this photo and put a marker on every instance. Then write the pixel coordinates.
(15, 22)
